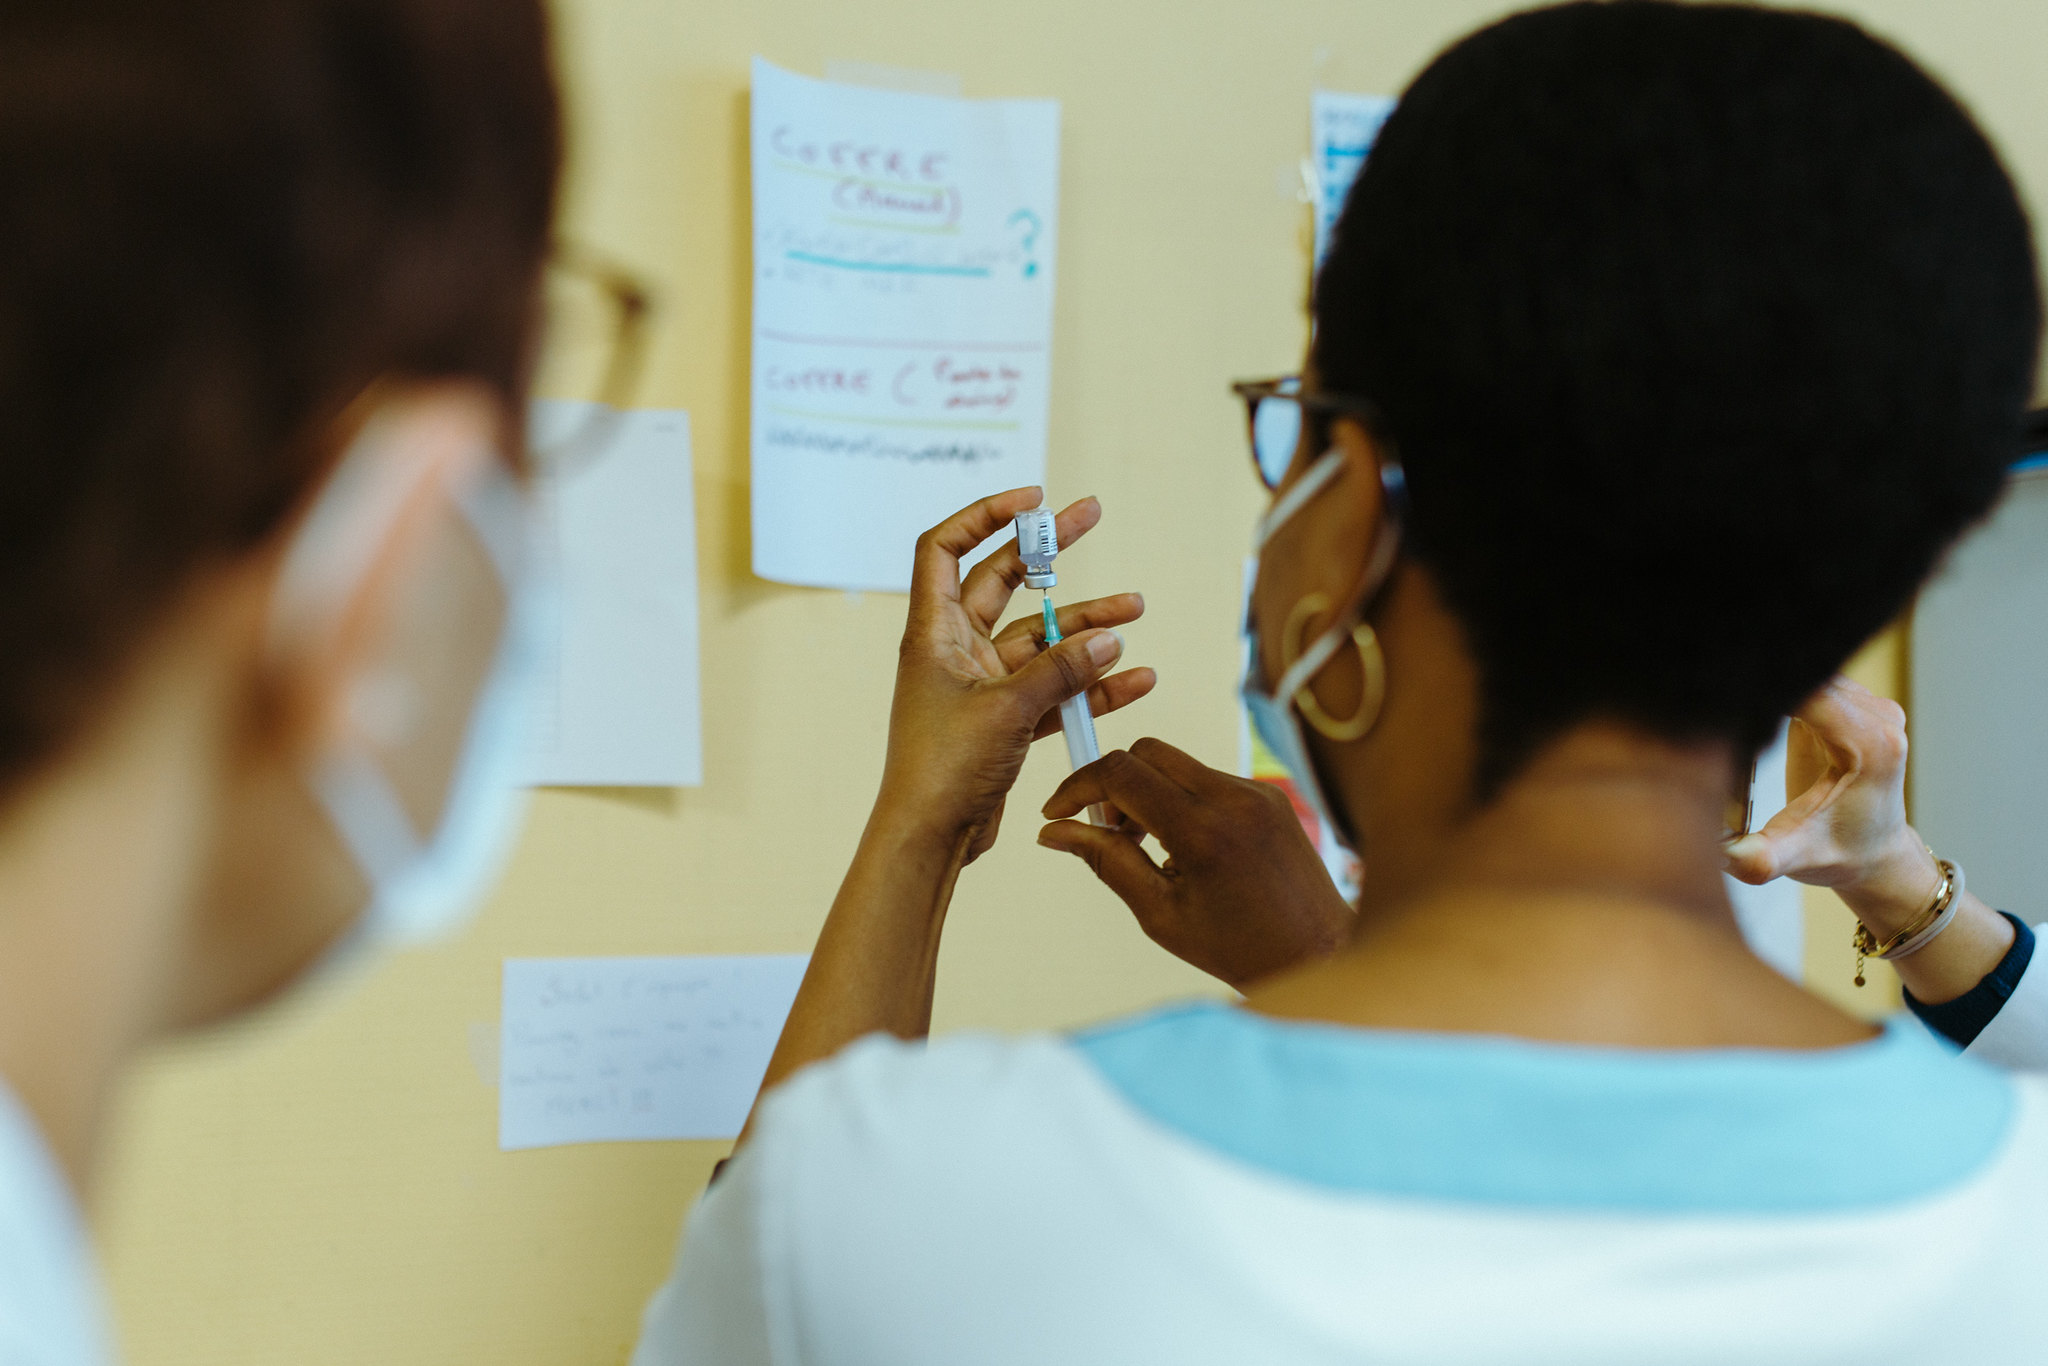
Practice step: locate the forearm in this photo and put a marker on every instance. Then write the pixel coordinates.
(1960, 956)
(876, 961)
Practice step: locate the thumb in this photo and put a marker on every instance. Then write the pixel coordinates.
(1751, 859)
(1790, 843)
(1065, 670)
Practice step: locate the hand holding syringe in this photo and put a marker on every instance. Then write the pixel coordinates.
(1037, 544)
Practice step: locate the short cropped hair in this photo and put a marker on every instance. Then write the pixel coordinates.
(1702, 330)
(221, 221)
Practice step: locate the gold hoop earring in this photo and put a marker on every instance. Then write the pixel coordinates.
(1372, 662)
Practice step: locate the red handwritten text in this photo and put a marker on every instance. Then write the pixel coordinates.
(958, 387)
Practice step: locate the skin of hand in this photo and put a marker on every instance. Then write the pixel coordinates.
(969, 701)
(1844, 826)
(1242, 894)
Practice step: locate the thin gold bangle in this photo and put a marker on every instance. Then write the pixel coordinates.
(1867, 945)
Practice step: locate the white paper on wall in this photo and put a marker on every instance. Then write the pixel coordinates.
(603, 1049)
(904, 249)
(620, 708)
(1342, 129)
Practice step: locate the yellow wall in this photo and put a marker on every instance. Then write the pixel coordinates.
(322, 1186)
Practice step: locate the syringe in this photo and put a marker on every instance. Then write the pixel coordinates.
(1037, 543)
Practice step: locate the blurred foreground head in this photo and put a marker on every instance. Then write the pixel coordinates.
(223, 221)
(268, 301)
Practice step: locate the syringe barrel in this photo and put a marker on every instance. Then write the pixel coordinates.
(1077, 725)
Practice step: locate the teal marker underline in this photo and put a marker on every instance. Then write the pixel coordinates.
(888, 267)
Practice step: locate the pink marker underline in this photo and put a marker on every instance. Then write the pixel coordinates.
(913, 345)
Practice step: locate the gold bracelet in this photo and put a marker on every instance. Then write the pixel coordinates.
(1923, 928)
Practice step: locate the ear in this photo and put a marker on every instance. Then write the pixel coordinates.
(348, 557)
(1357, 502)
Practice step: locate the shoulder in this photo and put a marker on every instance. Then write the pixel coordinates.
(1055, 1093)
(883, 1095)
(891, 1144)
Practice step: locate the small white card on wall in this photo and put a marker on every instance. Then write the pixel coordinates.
(595, 1050)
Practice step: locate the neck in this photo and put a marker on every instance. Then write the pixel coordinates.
(96, 855)
(1585, 903)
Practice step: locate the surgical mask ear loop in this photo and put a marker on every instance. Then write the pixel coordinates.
(1372, 661)
(1302, 665)
(424, 882)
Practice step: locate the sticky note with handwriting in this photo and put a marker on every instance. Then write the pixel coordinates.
(903, 280)
(604, 1049)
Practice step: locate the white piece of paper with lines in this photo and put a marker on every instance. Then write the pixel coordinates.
(604, 1049)
(904, 249)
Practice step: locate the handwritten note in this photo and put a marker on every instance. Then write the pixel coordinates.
(903, 283)
(1342, 129)
(621, 709)
(600, 1049)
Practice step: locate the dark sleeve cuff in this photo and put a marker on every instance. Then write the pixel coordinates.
(1964, 1018)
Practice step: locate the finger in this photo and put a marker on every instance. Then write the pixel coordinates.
(986, 591)
(1116, 858)
(1025, 637)
(1128, 783)
(1068, 669)
(936, 570)
(1111, 694)
(1182, 767)
(1790, 843)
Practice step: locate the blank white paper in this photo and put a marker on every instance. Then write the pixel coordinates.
(1342, 129)
(904, 247)
(593, 1050)
(620, 705)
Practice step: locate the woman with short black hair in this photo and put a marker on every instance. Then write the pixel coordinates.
(1627, 295)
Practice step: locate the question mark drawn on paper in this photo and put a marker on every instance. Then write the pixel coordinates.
(1033, 225)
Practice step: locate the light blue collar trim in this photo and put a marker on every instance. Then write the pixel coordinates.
(1498, 1121)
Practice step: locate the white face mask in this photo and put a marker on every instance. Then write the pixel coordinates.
(426, 884)
(1272, 710)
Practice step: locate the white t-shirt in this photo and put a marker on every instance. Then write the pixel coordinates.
(1204, 1185)
(51, 1308)
(2017, 1036)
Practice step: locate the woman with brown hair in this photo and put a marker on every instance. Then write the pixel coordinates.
(268, 281)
